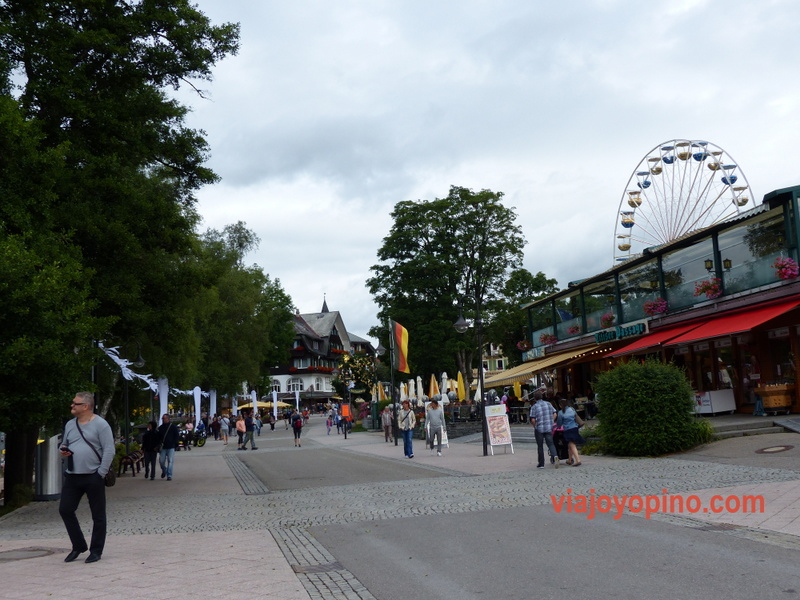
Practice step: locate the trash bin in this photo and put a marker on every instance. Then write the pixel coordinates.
(48, 471)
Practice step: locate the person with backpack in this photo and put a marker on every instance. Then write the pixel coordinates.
(297, 427)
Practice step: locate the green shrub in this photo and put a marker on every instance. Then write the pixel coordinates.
(646, 409)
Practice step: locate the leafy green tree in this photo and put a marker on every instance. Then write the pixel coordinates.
(247, 324)
(441, 255)
(115, 195)
(508, 322)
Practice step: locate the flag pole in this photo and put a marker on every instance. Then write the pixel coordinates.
(391, 377)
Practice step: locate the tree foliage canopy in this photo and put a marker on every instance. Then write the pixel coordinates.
(98, 172)
(439, 255)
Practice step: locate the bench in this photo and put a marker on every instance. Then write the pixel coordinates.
(134, 460)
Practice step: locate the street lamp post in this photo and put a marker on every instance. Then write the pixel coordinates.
(461, 326)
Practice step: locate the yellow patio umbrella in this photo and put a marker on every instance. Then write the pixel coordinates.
(517, 389)
(433, 387)
(462, 391)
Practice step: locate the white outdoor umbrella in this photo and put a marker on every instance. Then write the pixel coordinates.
(445, 381)
(412, 389)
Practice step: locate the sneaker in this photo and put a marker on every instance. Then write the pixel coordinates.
(438, 453)
(169, 478)
(540, 467)
(254, 448)
(411, 456)
(163, 474)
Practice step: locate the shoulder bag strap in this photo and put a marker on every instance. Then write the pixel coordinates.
(100, 458)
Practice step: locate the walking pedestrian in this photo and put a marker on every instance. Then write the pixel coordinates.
(567, 418)
(224, 429)
(151, 444)
(169, 442)
(406, 421)
(249, 430)
(241, 428)
(434, 421)
(297, 427)
(88, 446)
(541, 416)
(386, 422)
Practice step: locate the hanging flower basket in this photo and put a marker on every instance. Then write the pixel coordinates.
(607, 320)
(786, 268)
(655, 307)
(574, 330)
(523, 345)
(712, 288)
(547, 338)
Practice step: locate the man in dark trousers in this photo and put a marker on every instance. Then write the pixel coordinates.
(169, 441)
(88, 446)
(542, 416)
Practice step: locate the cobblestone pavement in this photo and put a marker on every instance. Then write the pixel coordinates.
(215, 512)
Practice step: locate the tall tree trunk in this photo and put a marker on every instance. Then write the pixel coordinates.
(20, 458)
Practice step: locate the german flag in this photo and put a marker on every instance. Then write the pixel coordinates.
(400, 344)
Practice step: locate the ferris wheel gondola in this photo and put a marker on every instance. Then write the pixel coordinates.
(678, 187)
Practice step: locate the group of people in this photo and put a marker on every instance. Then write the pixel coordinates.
(407, 422)
(553, 427)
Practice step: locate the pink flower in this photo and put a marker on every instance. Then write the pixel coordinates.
(655, 307)
(786, 268)
(712, 288)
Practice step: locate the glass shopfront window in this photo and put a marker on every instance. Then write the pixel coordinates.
(637, 286)
(747, 252)
(703, 368)
(751, 369)
(568, 310)
(683, 269)
(600, 299)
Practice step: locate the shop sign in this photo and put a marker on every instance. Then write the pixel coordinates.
(778, 333)
(620, 333)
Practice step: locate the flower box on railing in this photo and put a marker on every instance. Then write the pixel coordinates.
(785, 268)
(712, 288)
(546, 339)
(655, 307)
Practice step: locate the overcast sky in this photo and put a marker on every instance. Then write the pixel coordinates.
(332, 112)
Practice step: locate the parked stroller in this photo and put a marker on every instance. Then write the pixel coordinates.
(560, 444)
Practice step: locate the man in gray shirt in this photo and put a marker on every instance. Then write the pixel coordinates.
(88, 446)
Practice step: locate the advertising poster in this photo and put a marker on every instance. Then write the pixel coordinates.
(498, 426)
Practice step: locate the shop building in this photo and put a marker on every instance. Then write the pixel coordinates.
(722, 302)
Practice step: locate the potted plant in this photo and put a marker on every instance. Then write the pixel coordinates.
(523, 345)
(655, 307)
(574, 330)
(786, 268)
(712, 288)
(607, 320)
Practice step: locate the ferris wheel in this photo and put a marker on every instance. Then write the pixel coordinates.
(678, 187)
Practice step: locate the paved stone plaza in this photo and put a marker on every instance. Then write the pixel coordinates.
(219, 521)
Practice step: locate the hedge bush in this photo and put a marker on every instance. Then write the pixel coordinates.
(646, 409)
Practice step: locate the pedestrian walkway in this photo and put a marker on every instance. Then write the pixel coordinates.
(204, 527)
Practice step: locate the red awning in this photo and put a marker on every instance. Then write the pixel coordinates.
(657, 338)
(735, 323)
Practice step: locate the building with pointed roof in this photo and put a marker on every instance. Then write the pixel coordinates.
(321, 339)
